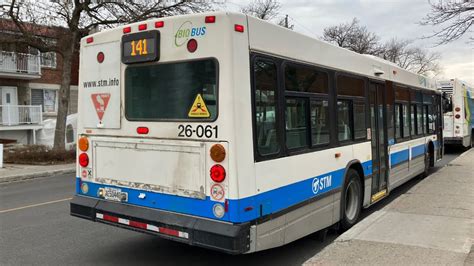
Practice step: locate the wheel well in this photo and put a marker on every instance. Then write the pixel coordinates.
(357, 166)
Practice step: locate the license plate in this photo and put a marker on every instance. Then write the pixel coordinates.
(115, 194)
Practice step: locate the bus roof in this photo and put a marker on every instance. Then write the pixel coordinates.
(270, 38)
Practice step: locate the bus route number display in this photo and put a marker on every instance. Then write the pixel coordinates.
(141, 47)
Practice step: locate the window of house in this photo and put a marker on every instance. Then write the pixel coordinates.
(48, 59)
(46, 98)
(265, 73)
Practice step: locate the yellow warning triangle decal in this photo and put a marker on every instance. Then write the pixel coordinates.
(199, 108)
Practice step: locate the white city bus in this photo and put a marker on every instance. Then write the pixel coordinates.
(227, 132)
(459, 117)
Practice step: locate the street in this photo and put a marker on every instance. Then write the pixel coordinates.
(36, 228)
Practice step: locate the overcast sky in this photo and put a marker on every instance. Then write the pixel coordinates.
(387, 18)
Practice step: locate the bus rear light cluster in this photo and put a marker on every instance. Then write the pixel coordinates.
(83, 160)
(217, 153)
(457, 109)
(83, 144)
(217, 173)
(457, 116)
(90, 40)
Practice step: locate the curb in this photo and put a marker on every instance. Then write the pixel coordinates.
(21, 177)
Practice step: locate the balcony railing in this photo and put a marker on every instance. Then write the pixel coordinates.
(20, 63)
(12, 115)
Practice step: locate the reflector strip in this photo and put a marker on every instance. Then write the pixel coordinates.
(145, 226)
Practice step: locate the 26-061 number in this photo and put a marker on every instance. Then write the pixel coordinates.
(200, 131)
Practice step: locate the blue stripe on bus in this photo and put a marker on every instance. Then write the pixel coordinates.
(261, 204)
(399, 157)
(418, 150)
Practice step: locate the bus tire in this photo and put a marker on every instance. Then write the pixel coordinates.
(351, 200)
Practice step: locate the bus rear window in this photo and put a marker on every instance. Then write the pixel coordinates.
(170, 91)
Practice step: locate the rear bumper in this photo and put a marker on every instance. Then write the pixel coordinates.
(224, 237)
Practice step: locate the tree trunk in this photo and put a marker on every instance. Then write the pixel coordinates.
(64, 95)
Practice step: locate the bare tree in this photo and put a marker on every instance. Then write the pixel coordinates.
(359, 39)
(78, 18)
(262, 9)
(267, 10)
(454, 16)
(352, 36)
(407, 56)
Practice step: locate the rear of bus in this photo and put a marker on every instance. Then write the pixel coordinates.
(157, 128)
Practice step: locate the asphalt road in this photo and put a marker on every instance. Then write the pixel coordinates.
(35, 228)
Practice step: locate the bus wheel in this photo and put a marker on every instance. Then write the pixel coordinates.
(351, 200)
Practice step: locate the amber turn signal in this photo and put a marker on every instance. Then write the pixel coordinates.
(218, 153)
(83, 144)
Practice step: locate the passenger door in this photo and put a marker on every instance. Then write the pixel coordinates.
(378, 122)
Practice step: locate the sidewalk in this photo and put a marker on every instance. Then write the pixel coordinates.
(431, 224)
(16, 172)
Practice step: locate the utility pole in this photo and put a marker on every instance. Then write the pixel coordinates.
(286, 21)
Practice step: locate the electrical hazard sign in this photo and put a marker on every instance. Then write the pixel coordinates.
(199, 108)
(100, 100)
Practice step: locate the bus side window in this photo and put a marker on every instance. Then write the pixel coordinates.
(398, 121)
(265, 73)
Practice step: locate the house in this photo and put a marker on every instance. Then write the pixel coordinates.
(29, 84)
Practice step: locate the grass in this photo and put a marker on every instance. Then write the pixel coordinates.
(37, 154)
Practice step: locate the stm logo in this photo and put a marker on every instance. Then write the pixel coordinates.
(321, 183)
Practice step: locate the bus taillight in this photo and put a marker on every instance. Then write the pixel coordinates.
(83, 144)
(217, 173)
(217, 153)
(457, 116)
(127, 29)
(159, 24)
(84, 160)
(457, 109)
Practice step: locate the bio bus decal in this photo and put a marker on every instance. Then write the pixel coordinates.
(187, 31)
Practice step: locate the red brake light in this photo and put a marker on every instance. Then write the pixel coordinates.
(142, 130)
(83, 159)
(159, 24)
(142, 27)
(457, 109)
(210, 19)
(127, 29)
(457, 116)
(100, 57)
(90, 39)
(217, 173)
(192, 45)
(239, 28)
